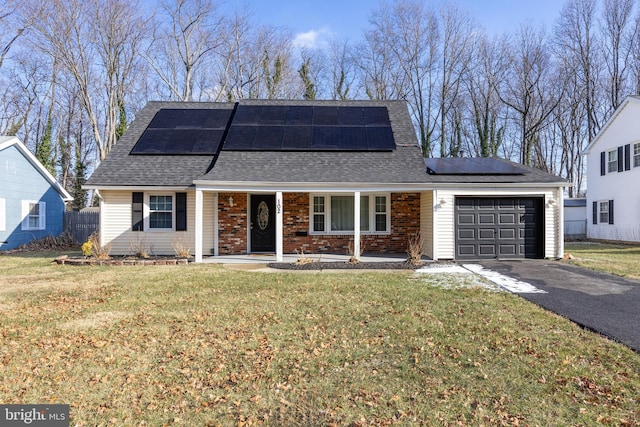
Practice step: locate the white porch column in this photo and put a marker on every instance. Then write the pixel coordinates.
(199, 225)
(215, 224)
(356, 225)
(279, 226)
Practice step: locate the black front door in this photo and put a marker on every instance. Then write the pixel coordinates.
(263, 223)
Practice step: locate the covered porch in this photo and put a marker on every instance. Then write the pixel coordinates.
(301, 222)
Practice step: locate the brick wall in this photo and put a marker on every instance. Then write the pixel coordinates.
(232, 223)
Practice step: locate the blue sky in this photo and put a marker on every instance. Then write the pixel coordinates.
(316, 20)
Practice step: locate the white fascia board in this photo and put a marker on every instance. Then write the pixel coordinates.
(613, 117)
(39, 167)
(288, 187)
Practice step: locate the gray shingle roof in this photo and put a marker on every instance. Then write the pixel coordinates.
(403, 165)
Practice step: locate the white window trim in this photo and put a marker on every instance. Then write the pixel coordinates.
(600, 211)
(42, 217)
(147, 212)
(636, 154)
(327, 215)
(3, 214)
(611, 162)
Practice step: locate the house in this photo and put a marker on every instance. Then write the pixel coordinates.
(613, 172)
(262, 176)
(32, 202)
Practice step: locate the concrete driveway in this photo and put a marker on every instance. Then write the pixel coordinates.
(604, 303)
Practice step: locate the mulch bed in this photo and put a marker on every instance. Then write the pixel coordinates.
(66, 260)
(338, 265)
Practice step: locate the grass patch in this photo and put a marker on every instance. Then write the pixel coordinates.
(201, 345)
(618, 259)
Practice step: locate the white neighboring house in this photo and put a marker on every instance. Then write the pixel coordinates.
(613, 175)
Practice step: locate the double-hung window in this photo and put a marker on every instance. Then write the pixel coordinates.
(612, 161)
(160, 212)
(636, 155)
(33, 215)
(335, 214)
(604, 212)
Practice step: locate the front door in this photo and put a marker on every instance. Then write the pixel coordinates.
(263, 223)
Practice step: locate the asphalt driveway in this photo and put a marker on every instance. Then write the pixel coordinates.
(607, 304)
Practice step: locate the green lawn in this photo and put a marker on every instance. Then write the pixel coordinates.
(621, 260)
(201, 345)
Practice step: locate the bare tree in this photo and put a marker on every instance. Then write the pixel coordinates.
(342, 74)
(484, 80)
(527, 91)
(576, 43)
(398, 61)
(618, 35)
(457, 41)
(9, 33)
(96, 43)
(188, 34)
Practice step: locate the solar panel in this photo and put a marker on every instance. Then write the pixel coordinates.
(246, 114)
(376, 116)
(325, 138)
(269, 138)
(325, 116)
(310, 128)
(184, 132)
(353, 138)
(380, 138)
(300, 115)
(471, 166)
(297, 138)
(240, 138)
(272, 115)
(350, 116)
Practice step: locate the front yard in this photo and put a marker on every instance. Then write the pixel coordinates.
(621, 260)
(202, 345)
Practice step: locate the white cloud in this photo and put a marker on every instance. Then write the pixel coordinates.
(314, 39)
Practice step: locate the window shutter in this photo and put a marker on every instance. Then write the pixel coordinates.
(610, 211)
(181, 211)
(43, 216)
(620, 159)
(627, 157)
(603, 163)
(137, 203)
(595, 212)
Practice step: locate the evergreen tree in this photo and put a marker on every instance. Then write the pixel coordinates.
(122, 122)
(305, 75)
(44, 150)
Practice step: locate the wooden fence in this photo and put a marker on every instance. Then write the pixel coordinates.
(81, 224)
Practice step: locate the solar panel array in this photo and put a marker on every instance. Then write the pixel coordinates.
(471, 166)
(309, 128)
(267, 128)
(184, 132)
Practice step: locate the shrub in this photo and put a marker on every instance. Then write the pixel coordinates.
(181, 247)
(415, 249)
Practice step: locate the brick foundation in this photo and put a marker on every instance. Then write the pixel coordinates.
(232, 224)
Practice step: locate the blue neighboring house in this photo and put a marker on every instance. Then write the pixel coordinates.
(32, 202)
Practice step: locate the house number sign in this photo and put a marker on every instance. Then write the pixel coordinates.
(263, 216)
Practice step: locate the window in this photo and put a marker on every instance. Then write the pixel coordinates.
(334, 214)
(604, 212)
(33, 215)
(160, 212)
(3, 215)
(636, 154)
(612, 161)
